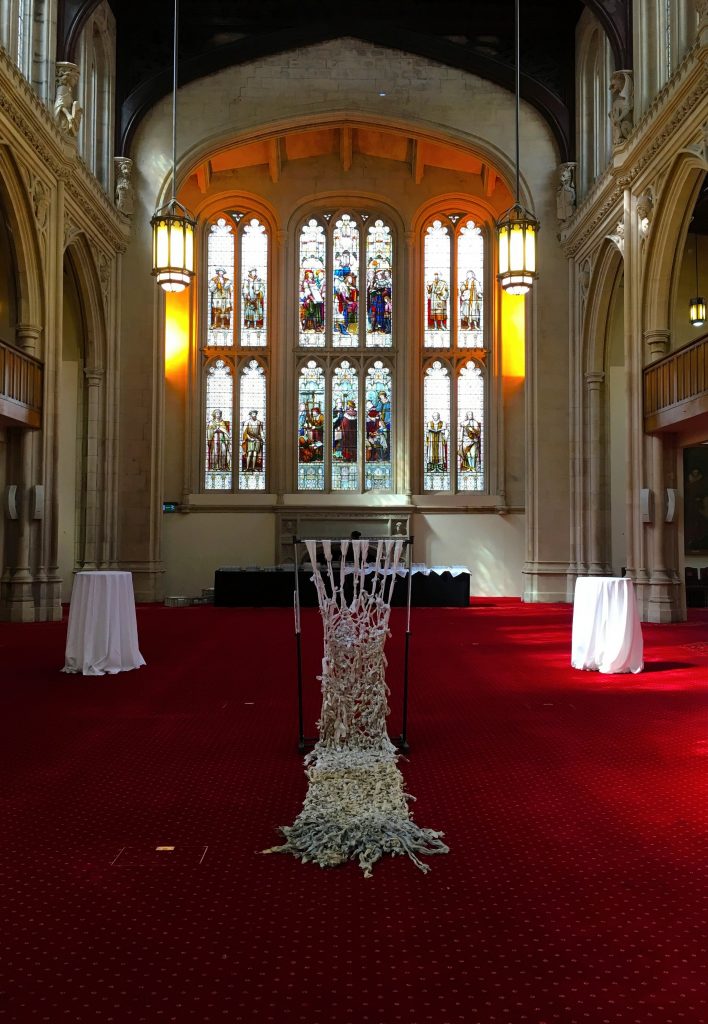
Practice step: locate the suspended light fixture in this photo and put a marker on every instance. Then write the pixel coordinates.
(517, 228)
(172, 224)
(697, 306)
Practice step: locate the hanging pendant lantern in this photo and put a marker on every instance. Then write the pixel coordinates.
(173, 246)
(697, 306)
(517, 228)
(172, 224)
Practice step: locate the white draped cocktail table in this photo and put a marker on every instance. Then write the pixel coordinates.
(103, 634)
(607, 633)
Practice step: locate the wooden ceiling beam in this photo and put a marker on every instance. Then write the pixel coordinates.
(346, 146)
(204, 173)
(275, 158)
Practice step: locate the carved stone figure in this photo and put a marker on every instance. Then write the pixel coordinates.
(622, 108)
(40, 200)
(125, 193)
(67, 111)
(702, 9)
(565, 193)
(645, 209)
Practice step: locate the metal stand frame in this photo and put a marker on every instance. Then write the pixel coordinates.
(305, 741)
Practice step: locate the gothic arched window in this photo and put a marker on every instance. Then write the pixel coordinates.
(345, 301)
(235, 300)
(454, 320)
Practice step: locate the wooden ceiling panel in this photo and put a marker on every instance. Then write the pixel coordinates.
(301, 145)
(386, 145)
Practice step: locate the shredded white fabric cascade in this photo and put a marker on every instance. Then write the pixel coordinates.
(356, 806)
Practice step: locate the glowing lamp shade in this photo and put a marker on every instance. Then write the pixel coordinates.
(697, 311)
(517, 230)
(173, 246)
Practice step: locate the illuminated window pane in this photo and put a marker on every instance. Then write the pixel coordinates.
(312, 285)
(377, 426)
(345, 283)
(345, 428)
(437, 286)
(219, 417)
(252, 403)
(220, 272)
(310, 428)
(470, 429)
(379, 286)
(436, 404)
(254, 281)
(470, 277)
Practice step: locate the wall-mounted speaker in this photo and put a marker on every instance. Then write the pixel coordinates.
(646, 505)
(37, 501)
(671, 501)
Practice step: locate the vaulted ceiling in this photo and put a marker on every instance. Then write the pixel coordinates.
(475, 35)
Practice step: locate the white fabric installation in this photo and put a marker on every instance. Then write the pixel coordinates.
(607, 633)
(356, 806)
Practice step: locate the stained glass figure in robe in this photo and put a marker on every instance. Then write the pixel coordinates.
(220, 270)
(379, 286)
(310, 428)
(312, 285)
(470, 430)
(219, 448)
(436, 402)
(345, 283)
(470, 275)
(377, 427)
(252, 402)
(437, 286)
(345, 428)
(254, 276)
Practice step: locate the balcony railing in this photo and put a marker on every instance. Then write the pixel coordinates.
(20, 388)
(676, 387)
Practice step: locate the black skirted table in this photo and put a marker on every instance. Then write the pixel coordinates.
(440, 586)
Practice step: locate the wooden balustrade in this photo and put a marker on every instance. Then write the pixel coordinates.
(676, 387)
(20, 388)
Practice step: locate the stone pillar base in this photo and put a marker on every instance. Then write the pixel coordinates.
(148, 580)
(17, 603)
(546, 582)
(662, 601)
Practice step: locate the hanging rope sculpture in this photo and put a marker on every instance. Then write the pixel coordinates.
(356, 806)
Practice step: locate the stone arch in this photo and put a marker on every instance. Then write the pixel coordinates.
(666, 242)
(83, 263)
(608, 266)
(21, 218)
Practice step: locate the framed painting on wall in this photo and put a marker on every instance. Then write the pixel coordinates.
(695, 500)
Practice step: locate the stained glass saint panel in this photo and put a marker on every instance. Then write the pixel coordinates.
(313, 248)
(379, 286)
(470, 277)
(378, 474)
(219, 418)
(437, 286)
(345, 283)
(220, 273)
(436, 405)
(310, 428)
(252, 404)
(254, 284)
(345, 428)
(470, 428)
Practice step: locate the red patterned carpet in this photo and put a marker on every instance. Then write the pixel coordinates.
(576, 890)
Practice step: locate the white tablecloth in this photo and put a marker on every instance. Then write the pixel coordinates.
(607, 633)
(103, 634)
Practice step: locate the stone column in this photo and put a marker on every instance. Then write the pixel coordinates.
(94, 466)
(594, 383)
(664, 592)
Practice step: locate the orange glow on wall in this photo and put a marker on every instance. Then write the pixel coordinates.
(176, 333)
(513, 322)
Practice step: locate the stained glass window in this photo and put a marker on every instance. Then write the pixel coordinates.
(254, 283)
(470, 278)
(379, 286)
(252, 405)
(377, 427)
(313, 250)
(220, 291)
(437, 286)
(311, 427)
(345, 428)
(436, 406)
(345, 283)
(219, 435)
(470, 428)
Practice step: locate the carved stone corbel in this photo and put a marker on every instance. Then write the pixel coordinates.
(621, 105)
(67, 110)
(124, 193)
(645, 212)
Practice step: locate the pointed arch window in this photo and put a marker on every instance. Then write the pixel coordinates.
(237, 315)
